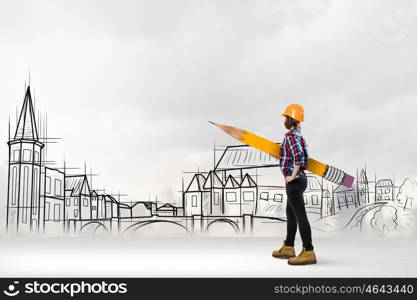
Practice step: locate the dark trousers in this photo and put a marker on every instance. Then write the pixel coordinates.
(296, 212)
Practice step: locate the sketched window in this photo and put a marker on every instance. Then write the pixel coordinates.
(264, 196)
(56, 212)
(15, 185)
(194, 201)
(277, 197)
(68, 201)
(386, 191)
(57, 187)
(314, 199)
(248, 196)
(305, 199)
(231, 197)
(36, 156)
(85, 202)
(48, 184)
(47, 208)
(75, 212)
(27, 155)
(25, 193)
(16, 155)
(75, 201)
(216, 198)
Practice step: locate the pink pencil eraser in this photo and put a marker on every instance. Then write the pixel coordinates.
(348, 180)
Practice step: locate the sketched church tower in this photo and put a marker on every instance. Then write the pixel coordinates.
(25, 151)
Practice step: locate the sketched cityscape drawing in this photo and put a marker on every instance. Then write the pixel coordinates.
(240, 193)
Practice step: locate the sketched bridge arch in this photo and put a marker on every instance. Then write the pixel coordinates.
(94, 228)
(234, 225)
(138, 226)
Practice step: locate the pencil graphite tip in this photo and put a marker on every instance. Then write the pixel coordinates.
(212, 123)
(232, 131)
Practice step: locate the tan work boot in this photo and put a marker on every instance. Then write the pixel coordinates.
(284, 252)
(306, 257)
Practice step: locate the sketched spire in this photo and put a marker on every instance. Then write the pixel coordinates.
(26, 127)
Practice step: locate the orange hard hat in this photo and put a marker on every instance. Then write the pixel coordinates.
(295, 111)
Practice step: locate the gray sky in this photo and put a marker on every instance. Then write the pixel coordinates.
(130, 85)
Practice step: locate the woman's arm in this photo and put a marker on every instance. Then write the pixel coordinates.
(294, 173)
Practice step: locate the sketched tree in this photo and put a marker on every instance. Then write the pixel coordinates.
(384, 219)
(407, 193)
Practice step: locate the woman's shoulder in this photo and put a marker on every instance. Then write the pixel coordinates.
(289, 132)
(293, 133)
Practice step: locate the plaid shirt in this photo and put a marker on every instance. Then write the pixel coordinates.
(293, 151)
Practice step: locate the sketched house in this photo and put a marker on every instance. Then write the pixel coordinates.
(213, 203)
(25, 161)
(344, 197)
(112, 207)
(316, 199)
(77, 198)
(168, 210)
(385, 190)
(53, 199)
(143, 209)
(194, 194)
(210, 196)
(241, 161)
(95, 201)
(249, 190)
(124, 210)
(232, 197)
(98, 206)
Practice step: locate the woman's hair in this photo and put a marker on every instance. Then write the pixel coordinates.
(290, 123)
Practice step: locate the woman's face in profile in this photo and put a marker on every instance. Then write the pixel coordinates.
(287, 123)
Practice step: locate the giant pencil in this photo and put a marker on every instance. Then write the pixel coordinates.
(326, 171)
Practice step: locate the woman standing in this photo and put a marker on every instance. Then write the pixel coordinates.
(293, 162)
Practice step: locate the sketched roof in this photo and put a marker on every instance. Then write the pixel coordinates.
(213, 181)
(363, 178)
(197, 183)
(313, 182)
(248, 181)
(167, 207)
(110, 198)
(124, 205)
(77, 184)
(384, 182)
(231, 182)
(26, 127)
(147, 204)
(343, 189)
(243, 156)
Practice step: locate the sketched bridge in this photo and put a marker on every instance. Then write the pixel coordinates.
(245, 224)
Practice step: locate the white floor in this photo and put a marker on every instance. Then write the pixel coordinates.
(202, 257)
